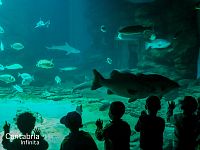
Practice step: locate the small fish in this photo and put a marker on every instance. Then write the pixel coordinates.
(158, 43)
(41, 23)
(45, 64)
(18, 88)
(68, 68)
(14, 67)
(58, 80)
(7, 78)
(109, 60)
(1, 67)
(1, 30)
(26, 78)
(17, 46)
(152, 37)
(103, 28)
(1, 46)
(27, 81)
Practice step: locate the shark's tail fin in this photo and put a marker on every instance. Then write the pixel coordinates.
(98, 78)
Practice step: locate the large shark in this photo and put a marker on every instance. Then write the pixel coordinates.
(134, 86)
(66, 48)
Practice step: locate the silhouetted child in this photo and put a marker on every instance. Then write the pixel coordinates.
(117, 133)
(198, 110)
(26, 141)
(76, 140)
(187, 126)
(150, 126)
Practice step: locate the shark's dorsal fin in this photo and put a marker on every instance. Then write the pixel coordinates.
(115, 74)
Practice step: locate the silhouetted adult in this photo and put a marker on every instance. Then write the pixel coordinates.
(187, 126)
(76, 140)
(25, 141)
(150, 126)
(116, 134)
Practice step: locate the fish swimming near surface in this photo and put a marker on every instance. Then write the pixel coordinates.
(14, 67)
(66, 48)
(7, 78)
(157, 44)
(134, 86)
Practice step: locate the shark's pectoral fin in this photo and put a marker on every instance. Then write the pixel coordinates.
(131, 91)
(109, 92)
(132, 100)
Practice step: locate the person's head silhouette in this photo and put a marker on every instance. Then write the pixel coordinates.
(26, 122)
(117, 110)
(153, 104)
(189, 105)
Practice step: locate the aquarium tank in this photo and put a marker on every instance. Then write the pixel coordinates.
(59, 56)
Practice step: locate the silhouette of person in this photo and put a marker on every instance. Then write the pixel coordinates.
(116, 134)
(187, 125)
(198, 110)
(150, 126)
(76, 140)
(26, 141)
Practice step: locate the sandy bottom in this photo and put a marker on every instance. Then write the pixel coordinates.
(49, 112)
